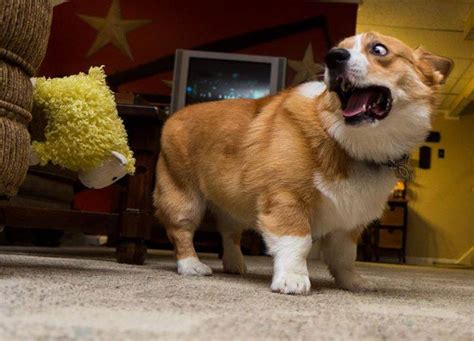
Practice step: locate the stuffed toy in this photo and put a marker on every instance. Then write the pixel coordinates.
(82, 129)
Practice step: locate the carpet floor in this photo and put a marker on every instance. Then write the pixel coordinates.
(83, 294)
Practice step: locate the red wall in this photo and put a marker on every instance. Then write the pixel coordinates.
(184, 24)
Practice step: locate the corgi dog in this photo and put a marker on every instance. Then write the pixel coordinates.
(311, 163)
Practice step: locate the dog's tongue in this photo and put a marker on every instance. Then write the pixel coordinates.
(357, 100)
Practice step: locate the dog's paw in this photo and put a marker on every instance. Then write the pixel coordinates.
(355, 283)
(234, 264)
(193, 267)
(292, 284)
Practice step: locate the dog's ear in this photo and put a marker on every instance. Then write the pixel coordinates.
(441, 66)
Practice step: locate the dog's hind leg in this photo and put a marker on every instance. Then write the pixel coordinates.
(231, 232)
(180, 208)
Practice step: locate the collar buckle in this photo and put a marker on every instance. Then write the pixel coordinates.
(401, 167)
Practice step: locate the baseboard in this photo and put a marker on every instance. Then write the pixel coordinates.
(466, 259)
(429, 260)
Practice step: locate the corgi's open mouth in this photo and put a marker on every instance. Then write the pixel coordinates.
(364, 104)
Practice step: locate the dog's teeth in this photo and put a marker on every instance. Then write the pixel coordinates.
(364, 107)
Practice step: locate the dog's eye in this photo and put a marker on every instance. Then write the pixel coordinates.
(379, 50)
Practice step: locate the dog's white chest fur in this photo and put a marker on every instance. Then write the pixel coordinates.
(352, 202)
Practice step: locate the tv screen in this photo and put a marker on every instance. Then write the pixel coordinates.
(203, 76)
(216, 79)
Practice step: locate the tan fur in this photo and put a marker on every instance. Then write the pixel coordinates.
(251, 164)
(255, 159)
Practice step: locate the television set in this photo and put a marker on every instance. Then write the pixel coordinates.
(201, 76)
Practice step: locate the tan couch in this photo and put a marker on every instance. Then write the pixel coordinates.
(24, 33)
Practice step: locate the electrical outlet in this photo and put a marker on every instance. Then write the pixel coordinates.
(440, 153)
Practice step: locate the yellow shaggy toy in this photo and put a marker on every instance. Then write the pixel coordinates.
(83, 131)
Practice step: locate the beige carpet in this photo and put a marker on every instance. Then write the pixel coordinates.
(83, 294)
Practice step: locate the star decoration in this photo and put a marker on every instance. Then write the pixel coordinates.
(112, 29)
(306, 69)
(168, 83)
(55, 3)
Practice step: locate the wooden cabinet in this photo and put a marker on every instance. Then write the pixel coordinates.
(390, 231)
(390, 239)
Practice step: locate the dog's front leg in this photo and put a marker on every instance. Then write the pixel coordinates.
(286, 232)
(339, 253)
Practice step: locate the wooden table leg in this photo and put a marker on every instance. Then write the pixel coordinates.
(377, 241)
(131, 252)
(143, 124)
(136, 219)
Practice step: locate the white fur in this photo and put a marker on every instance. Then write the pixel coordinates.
(192, 266)
(290, 272)
(388, 139)
(345, 205)
(358, 64)
(311, 89)
(352, 202)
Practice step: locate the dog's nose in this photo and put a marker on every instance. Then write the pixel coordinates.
(337, 57)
